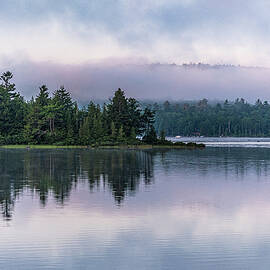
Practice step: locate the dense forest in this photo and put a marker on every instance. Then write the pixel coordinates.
(237, 118)
(57, 119)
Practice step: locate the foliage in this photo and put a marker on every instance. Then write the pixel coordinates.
(150, 136)
(57, 119)
(237, 118)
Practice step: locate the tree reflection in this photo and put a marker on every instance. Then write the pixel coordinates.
(57, 172)
(47, 173)
(121, 171)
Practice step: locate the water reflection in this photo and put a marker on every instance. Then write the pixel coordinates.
(208, 209)
(58, 172)
(236, 162)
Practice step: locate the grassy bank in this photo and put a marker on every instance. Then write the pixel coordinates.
(140, 146)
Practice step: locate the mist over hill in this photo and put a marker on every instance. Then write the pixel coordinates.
(144, 81)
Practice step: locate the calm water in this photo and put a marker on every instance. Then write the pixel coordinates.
(226, 141)
(114, 209)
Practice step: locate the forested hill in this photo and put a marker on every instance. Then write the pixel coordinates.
(237, 118)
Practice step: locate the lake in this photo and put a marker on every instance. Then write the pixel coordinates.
(226, 141)
(135, 209)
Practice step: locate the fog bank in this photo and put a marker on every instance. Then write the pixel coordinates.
(143, 81)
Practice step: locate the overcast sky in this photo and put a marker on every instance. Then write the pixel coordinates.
(68, 34)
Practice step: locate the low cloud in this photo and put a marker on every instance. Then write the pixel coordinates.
(142, 80)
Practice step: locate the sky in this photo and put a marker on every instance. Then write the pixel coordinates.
(116, 37)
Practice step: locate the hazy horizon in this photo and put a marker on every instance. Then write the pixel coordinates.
(157, 82)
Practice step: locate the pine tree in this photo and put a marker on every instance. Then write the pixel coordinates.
(151, 136)
(118, 110)
(121, 135)
(12, 110)
(84, 132)
(62, 107)
(37, 126)
(133, 136)
(113, 131)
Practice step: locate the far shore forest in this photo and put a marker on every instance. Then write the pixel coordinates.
(224, 119)
(58, 120)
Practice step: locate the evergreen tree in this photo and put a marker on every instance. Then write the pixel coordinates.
(121, 135)
(151, 136)
(61, 110)
(133, 136)
(37, 128)
(134, 117)
(12, 110)
(84, 132)
(118, 110)
(148, 119)
(113, 131)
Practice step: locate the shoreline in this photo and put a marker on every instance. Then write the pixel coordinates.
(146, 146)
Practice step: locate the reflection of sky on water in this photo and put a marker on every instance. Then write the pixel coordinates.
(195, 215)
(226, 141)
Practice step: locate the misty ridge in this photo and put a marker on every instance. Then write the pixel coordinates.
(143, 81)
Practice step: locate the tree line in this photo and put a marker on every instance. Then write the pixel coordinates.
(238, 118)
(57, 119)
